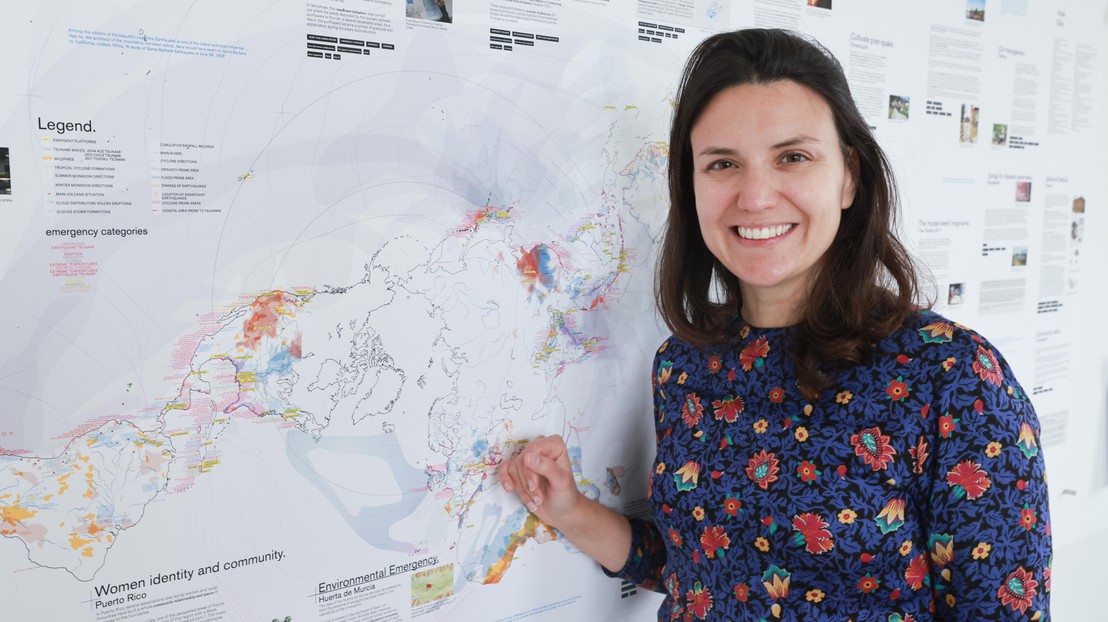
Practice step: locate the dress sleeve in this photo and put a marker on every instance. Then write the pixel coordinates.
(987, 522)
(646, 559)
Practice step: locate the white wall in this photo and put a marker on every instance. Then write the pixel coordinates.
(1080, 521)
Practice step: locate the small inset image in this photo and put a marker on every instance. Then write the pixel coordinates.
(1000, 134)
(432, 584)
(5, 171)
(431, 10)
(898, 107)
(1019, 255)
(1023, 191)
(955, 294)
(967, 129)
(1077, 230)
(975, 10)
(1078, 205)
(820, 4)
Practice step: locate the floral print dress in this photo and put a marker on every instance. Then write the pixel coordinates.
(913, 490)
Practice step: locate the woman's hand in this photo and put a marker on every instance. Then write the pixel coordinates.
(542, 478)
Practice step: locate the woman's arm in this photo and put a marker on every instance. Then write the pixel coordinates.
(989, 546)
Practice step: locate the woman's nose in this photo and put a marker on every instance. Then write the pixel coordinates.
(756, 189)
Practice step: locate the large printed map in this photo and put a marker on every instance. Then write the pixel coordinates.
(281, 316)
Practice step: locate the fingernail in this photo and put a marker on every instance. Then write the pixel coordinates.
(532, 507)
(531, 485)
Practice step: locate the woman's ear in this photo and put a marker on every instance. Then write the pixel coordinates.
(850, 177)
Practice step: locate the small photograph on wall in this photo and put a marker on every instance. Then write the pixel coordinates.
(1019, 255)
(1000, 134)
(967, 129)
(955, 294)
(431, 10)
(975, 10)
(898, 107)
(1078, 204)
(820, 4)
(1023, 191)
(5, 171)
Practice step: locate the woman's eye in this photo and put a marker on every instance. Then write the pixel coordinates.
(793, 158)
(720, 165)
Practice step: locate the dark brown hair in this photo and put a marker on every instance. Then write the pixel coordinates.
(865, 285)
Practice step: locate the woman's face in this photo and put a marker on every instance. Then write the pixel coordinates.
(770, 182)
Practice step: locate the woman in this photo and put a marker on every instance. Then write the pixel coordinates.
(825, 451)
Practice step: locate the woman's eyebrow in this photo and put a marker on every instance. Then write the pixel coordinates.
(796, 140)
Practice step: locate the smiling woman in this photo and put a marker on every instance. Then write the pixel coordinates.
(825, 449)
(851, 292)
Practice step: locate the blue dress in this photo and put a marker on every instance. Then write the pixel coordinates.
(912, 490)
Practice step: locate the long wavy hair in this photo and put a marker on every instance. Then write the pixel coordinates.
(865, 285)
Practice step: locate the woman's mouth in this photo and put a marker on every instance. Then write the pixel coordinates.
(763, 233)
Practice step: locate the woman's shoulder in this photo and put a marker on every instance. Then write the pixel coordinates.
(925, 327)
(939, 343)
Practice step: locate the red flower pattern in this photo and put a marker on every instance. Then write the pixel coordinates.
(868, 584)
(693, 410)
(873, 447)
(1028, 518)
(728, 408)
(918, 571)
(897, 389)
(986, 366)
(700, 601)
(967, 477)
(947, 425)
(753, 354)
(714, 540)
(807, 472)
(742, 592)
(731, 506)
(1018, 590)
(776, 395)
(675, 537)
(812, 532)
(762, 468)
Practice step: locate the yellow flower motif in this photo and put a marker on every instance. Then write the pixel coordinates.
(683, 377)
(942, 550)
(760, 426)
(665, 345)
(981, 551)
(950, 600)
(762, 544)
(661, 468)
(698, 513)
(801, 433)
(847, 517)
(689, 474)
(744, 332)
(814, 596)
(807, 410)
(948, 364)
(905, 548)
(844, 397)
(993, 449)
(940, 332)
